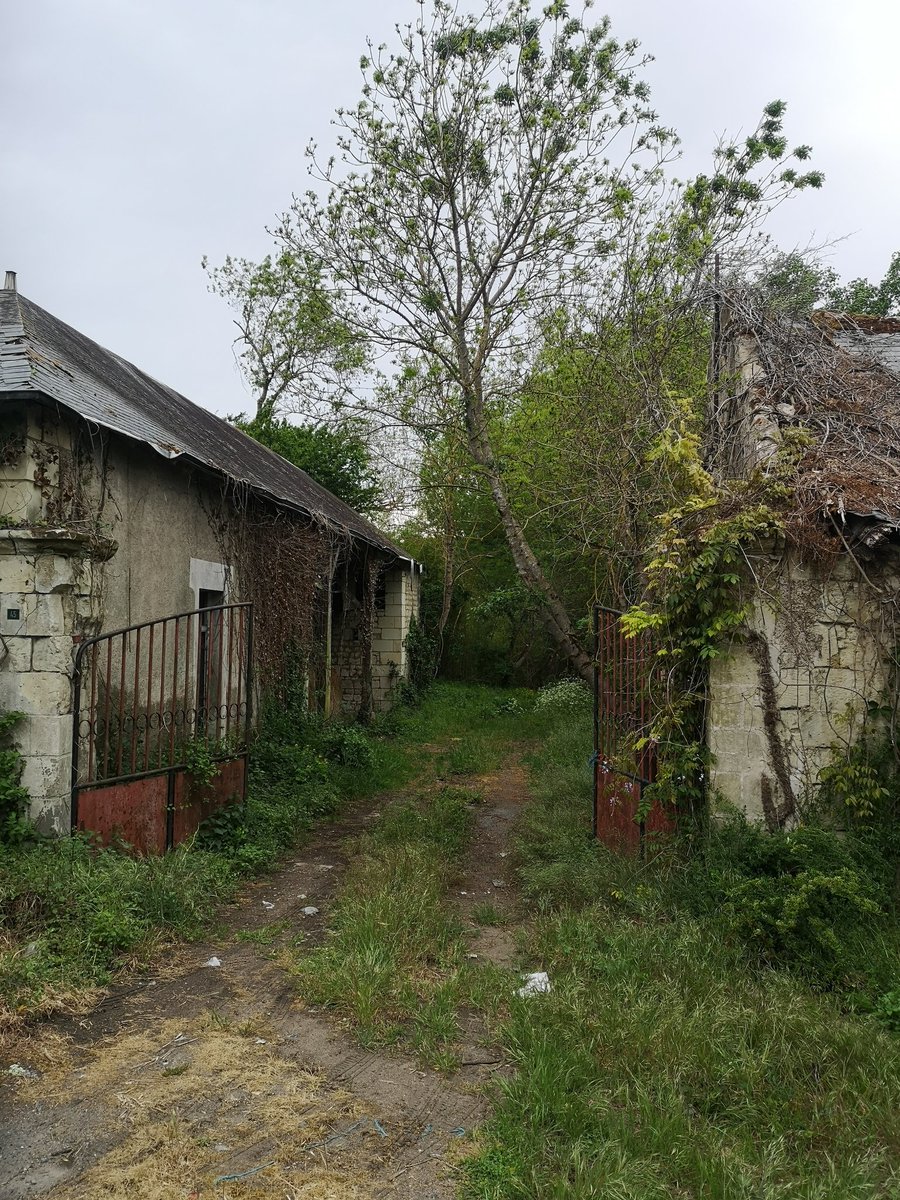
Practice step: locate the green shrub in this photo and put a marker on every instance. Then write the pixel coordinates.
(347, 745)
(13, 797)
(809, 899)
(806, 919)
(566, 695)
(887, 1010)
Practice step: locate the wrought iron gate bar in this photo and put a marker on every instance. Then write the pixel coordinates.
(142, 693)
(625, 675)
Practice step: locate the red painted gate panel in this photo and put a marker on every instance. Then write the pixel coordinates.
(136, 814)
(146, 699)
(191, 810)
(132, 812)
(626, 680)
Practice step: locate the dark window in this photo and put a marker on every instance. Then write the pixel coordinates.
(209, 661)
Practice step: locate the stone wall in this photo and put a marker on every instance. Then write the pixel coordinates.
(390, 627)
(798, 682)
(50, 573)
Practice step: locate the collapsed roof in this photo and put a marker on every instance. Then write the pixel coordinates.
(836, 378)
(40, 354)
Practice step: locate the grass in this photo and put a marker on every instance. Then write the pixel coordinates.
(487, 914)
(696, 1043)
(668, 1061)
(70, 912)
(72, 915)
(394, 962)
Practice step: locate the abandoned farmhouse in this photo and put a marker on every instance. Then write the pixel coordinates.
(160, 571)
(816, 400)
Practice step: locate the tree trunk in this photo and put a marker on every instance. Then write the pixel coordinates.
(447, 594)
(556, 619)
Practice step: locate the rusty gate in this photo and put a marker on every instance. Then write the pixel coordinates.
(149, 701)
(627, 681)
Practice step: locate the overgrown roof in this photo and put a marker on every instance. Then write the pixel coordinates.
(836, 377)
(41, 354)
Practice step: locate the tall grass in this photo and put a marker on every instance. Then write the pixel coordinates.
(668, 1061)
(394, 949)
(69, 912)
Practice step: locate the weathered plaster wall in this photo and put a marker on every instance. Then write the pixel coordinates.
(815, 653)
(102, 533)
(158, 512)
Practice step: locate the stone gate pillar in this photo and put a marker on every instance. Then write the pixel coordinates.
(49, 601)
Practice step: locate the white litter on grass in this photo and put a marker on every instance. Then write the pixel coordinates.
(261, 1042)
(302, 896)
(268, 904)
(21, 1072)
(536, 984)
(213, 962)
(309, 911)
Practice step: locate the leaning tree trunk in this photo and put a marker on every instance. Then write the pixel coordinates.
(555, 617)
(447, 592)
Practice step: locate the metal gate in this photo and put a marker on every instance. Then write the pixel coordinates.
(627, 680)
(149, 701)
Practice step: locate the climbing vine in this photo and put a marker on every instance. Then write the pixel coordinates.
(695, 597)
(282, 563)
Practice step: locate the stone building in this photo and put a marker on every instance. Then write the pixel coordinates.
(123, 504)
(815, 403)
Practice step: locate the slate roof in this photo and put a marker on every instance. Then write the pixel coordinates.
(39, 353)
(876, 338)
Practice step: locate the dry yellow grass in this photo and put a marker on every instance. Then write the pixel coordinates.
(179, 1094)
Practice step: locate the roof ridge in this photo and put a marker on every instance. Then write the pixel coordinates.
(109, 390)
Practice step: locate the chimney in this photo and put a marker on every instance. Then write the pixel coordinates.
(10, 284)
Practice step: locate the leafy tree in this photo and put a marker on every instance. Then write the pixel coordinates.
(291, 346)
(496, 172)
(871, 299)
(796, 283)
(337, 458)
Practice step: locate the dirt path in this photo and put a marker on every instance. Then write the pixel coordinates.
(193, 1073)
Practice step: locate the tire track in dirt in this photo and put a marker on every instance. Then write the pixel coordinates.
(190, 1072)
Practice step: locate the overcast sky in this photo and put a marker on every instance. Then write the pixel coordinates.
(139, 135)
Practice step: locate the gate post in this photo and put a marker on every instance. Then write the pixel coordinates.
(46, 603)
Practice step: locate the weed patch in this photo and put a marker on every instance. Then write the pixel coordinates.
(70, 911)
(671, 1059)
(394, 955)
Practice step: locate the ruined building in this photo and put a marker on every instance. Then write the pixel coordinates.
(161, 572)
